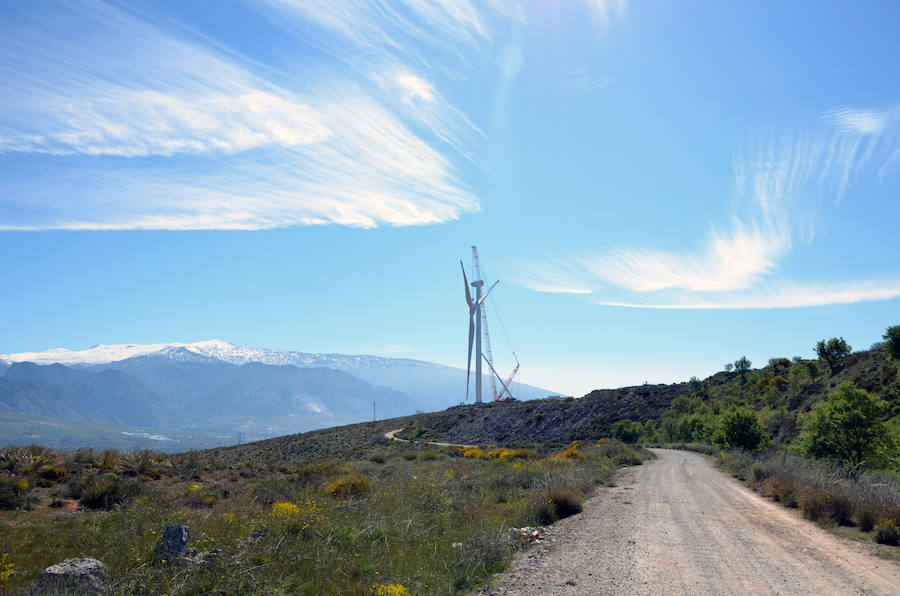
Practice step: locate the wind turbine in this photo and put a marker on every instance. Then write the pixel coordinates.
(475, 330)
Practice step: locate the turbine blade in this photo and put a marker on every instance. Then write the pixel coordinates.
(489, 291)
(469, 300)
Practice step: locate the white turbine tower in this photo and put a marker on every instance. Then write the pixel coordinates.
(475, 307)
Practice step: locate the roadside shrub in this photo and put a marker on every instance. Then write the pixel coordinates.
(865, 519)
(540, 511)
(826, 505)
(350, 485)
(377, 459)
(555, 503)
(758, 473)
(781, 489)
(507, 454)
(451, 451)
(887, 532)
(473, 453)
(569, 453)
(566, 501)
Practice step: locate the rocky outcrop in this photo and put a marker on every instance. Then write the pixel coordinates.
(563, 420)
(173, 545)
(73, 577)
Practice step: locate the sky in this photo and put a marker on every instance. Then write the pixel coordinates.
(660, 187)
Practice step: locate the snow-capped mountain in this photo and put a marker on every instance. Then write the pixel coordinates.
(214, 348)
(217, 386)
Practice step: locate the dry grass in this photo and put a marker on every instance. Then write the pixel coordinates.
(381, 522)
(823, 492)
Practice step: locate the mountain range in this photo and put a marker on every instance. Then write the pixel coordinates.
(218, 389)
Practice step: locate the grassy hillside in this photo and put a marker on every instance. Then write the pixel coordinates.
(338, 511)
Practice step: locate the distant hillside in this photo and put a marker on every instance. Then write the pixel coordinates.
(779, 392)
(678, 412)
(154, 392)
(430, 386)
(107, 396)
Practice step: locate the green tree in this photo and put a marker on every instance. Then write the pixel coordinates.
(833, 352)
(892, 341)
(650, 434)
(741, 429)
(627, 431)
(847, 426)
(742, 365)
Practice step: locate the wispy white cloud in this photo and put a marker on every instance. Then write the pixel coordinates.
(115, 85)
(731, 260)
(391, 31)
(738, 265)
(774, 296)
(252, 153)
(862, 121)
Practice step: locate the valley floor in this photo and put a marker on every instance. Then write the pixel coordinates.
(677, 526)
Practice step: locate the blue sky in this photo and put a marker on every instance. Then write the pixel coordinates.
(662, 187)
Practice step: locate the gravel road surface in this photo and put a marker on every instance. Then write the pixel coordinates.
(677, 526)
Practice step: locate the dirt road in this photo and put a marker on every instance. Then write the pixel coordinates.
(677, 526)
(392, 435)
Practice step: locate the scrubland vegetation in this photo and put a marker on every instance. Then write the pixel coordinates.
(398, 519)
(821, 436)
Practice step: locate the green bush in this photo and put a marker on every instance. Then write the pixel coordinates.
(52, 472)
(887, 532)
(627, 431)
(566, 501)
(14, 493)
(107, 491)
(781, 490)
(350, 485)
(742, 430)
(865, 519)
(848, 426)
(540, 511)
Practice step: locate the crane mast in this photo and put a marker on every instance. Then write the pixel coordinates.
(484, 326)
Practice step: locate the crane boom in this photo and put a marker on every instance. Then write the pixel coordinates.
(508, 381)
(484, 326)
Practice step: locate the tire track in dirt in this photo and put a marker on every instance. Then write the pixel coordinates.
(677, 526)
